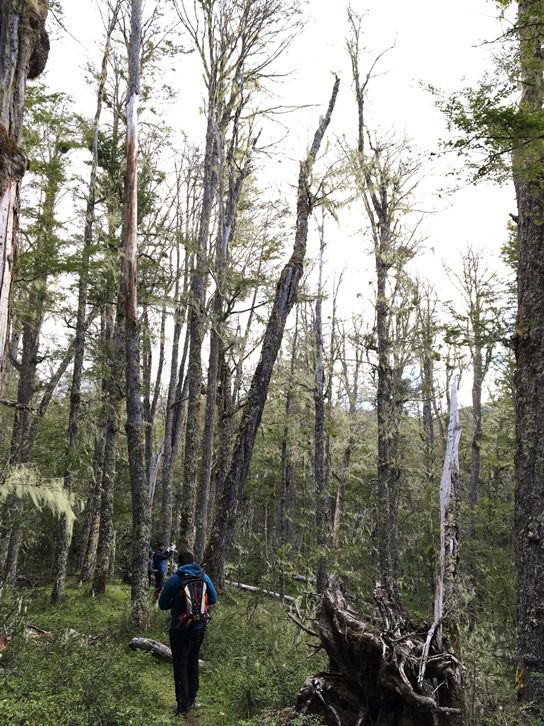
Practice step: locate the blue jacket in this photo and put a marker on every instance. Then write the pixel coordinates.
(172, 587)
(160, 558)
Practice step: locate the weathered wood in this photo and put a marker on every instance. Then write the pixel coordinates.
(156, 648)
(375, 678)
(401, 673)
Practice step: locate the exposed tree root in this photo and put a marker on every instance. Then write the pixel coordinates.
(396, 675)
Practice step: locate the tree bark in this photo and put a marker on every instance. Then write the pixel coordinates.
(196, 336)
(528, 162)
(223, 528)
(24, 47)
(139, 614)
(106, 452)
(320, 466)
(63, 544)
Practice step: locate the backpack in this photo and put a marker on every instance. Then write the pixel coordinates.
(192, 602)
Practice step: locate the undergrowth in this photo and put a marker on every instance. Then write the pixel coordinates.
(255, 662)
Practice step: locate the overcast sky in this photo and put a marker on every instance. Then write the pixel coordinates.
(439, 43)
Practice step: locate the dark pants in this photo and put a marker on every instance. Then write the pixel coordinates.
(185, 645)
(159, 580)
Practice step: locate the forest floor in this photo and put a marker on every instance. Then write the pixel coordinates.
(255, 662)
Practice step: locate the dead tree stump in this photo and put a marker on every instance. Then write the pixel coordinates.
(393, 675)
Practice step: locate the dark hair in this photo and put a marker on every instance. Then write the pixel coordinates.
(161, 544)
(186, 558)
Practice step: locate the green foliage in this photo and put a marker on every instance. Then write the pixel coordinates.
(255, 660)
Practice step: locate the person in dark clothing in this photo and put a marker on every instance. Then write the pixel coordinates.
(159, 562)
(188, 595)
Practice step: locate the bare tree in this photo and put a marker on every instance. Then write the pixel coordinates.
(223, 528)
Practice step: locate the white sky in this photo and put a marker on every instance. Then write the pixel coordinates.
(436, 42)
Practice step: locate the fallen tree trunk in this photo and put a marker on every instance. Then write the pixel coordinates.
(260, 590)
(375, 671)
(159, 650)
(156, 648)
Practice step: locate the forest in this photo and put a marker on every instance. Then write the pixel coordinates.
(249, 318)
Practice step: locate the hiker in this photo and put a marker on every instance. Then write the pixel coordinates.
(188, 594)
(159, 561)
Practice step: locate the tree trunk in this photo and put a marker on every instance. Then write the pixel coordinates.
(139, 614)
(227, 221)
(286, 466)
(63, 544)
(109, 423)
(320, 473)
(24, 47)
(528, 161)
(196, 335)
(223, 528)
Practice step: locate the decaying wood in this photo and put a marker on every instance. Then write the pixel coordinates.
(399, 673)
(376, 669)
(156, 648)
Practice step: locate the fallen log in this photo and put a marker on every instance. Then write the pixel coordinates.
(156, 648)
(159, 650)
(260, 590)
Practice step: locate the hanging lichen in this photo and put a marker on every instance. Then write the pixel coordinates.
(25, 482)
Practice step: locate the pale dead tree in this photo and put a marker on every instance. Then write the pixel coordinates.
(237, 42)
(399, 672)
(134, 423)
(223, 527)
(386, 175)
(24, 47)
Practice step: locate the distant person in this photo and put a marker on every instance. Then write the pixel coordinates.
(188, 594)
(158, 563)
(150, 567)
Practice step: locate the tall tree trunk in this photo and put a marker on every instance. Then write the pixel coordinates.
(196, 325)
(174, 389)
(134, 424)
(352, 391)
(286, 466)
(63, 544)
(223, 528)
(475, 460)
(24, 47)
(528, 161)
(227, 221)
(106, 451)
(320, 466)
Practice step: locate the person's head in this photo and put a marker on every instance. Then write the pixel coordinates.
(185, 558)
(161, 546)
